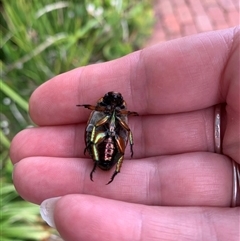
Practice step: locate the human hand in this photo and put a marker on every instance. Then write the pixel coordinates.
(175, 187)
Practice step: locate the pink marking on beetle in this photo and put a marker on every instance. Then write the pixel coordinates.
(109, 149)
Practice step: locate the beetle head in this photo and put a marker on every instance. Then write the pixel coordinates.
(113, 99)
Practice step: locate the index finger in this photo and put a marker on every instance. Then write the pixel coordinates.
(176, 76)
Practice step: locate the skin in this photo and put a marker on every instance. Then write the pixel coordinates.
(175, 187)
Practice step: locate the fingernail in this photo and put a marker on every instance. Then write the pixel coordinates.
(47, 210)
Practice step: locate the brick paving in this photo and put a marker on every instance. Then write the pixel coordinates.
(178, 18)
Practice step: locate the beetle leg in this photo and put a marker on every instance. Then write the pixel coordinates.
(121, 147)
(126, 112)
(133, 113)
(112, 178)
(92, 107)
(93, 170)
(94, 134)
(131, 142)
(120, 144)
(85, 149)
(102, 121)
(97, 137)
(117, 170)
(130, 135)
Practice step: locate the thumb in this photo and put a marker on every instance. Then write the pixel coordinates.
(85, 217)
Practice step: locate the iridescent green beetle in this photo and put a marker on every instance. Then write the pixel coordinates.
(107, 132)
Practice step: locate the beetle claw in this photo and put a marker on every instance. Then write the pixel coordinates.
(131, 149)
(93, 170)
(112, 178)
(91, 176)
(85, 151)
(109, 181)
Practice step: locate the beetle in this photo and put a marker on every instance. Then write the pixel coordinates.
(107, 132)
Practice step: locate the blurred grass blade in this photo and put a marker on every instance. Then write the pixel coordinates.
(4, 140)
(24, 232)
(51, 7)
(48, 42)
(13, 95)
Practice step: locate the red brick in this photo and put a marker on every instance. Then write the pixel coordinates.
(222, 26)
(159, 27)
(236, 3)
(227, 5)
(184, 17)
(174, 36)
(189, 29)
(217, 17)
(178, 2)
(197, 7)
(233, 18)
(207, 3)
(165, 7)
(157, 37)
(160, 36)
(184, 14)
(203, 23)
(171, 24)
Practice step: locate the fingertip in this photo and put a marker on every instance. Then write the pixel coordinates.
(37, 103)
(50, 102)
(16, 146)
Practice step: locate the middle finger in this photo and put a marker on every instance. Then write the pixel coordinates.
(153, 136)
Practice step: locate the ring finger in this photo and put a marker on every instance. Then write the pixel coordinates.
(178, 180)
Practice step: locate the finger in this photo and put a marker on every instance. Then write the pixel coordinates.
(153, 136)
(126, 221)
(57, 141)
(231, 83)
(176, 76)
(188, 179)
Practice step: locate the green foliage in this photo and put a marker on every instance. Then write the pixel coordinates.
(41, 39)
(19, 219)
